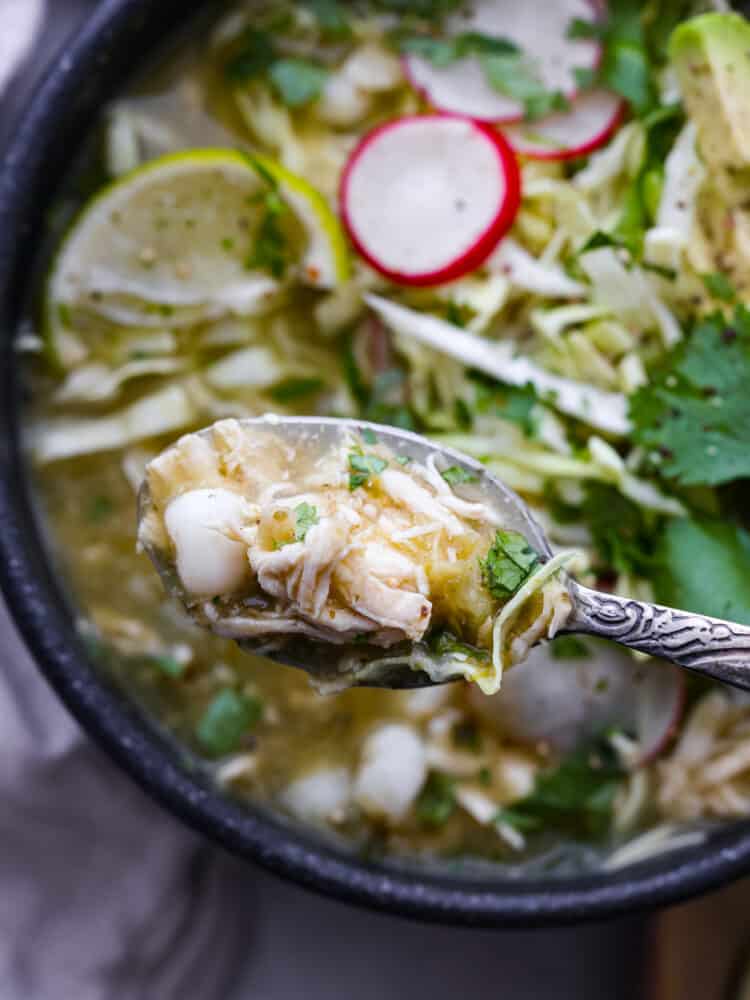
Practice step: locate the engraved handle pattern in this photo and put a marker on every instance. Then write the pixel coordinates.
(710, 646)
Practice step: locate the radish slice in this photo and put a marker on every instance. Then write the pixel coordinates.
(539, 29)
(427, 198)
(588, 124)
(567, 703)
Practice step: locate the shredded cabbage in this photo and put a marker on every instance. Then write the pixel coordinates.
(604, 410)
(169, 409)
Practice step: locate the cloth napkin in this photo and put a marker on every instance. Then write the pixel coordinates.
(103, 896)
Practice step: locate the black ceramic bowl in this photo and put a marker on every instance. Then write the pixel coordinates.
(95, 65)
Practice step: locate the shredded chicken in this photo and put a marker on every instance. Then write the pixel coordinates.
(708, 772)
(268, 539)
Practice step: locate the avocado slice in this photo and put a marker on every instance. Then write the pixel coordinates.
(711, 56)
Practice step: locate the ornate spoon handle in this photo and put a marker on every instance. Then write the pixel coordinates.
(710, 646)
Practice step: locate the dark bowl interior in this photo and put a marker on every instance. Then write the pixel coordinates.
(90, 71)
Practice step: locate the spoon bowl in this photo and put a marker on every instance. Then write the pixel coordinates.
(713, 647)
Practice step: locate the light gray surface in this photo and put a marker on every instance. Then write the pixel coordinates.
(299, 945)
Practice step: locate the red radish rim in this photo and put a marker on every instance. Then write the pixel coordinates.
(647, 756)
(599, 8)
(486, 242)
(573, 152)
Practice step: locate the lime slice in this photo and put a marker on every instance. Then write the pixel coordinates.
(166, 243)
(325, 263)
(169, 244)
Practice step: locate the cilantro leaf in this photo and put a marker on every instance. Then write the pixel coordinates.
(437, 800)
(694, 416)
(444, 51)
(293, 388)
(227, 718)
(623, 537)
(270, 248)
(455, 475)
(331, 17)
(297, 81)
(722, 551)
(504, 65)
(569, 647)
(384, 400)
(626, 64)
(253, 59)
(720, 286)
(576, 796)
(444, 643)
(508, 564)
(307, 516)
(516, 77)
(514, 403)
(168, 665)
(363, 468)
(99, 509)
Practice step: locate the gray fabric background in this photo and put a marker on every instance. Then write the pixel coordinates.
(104, 897)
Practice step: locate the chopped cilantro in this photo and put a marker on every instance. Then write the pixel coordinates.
(168, 665)
(444, 51)
(307, 516)
(100, 508)
(363, 468)
(253, 58)
(455, 475)
(297, 81)
(369, 436)
(437, 800)
(386, 400)
(444, 643)
(622, 533)
(515, 403)
(293, 388)
(505, 67)
(720, 286)
(462, 414)
(509, 563)
(427, 10)
(516, 77)
(576, 796)
(331, 17)
(694, 415)
(722, 551)
(600, 239)
(227, 718)
(403, 459)
(569, 647)
(624, 66)
(485, 776)
(466, 735)
(270, 250)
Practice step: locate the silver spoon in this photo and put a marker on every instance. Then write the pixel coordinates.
(710, 646)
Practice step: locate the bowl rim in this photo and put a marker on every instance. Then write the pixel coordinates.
(78, 83)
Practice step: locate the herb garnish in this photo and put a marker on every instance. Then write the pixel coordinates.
(569, 647)
(455, 475)
(506, 68)
(437, 800)
(508, 564)
(307, 517)
(363, 468)
(577, 795)
(297, 81)
(694, 415)
(720, 286)
(227, 718)
(293, 388)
